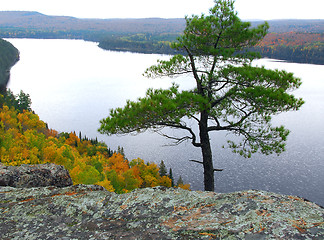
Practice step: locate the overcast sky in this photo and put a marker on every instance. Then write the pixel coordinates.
(247, 9)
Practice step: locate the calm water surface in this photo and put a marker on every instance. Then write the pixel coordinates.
(73, 84)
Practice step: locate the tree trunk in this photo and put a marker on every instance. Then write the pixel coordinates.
(209, 180)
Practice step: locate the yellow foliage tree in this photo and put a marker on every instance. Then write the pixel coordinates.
(25, 139)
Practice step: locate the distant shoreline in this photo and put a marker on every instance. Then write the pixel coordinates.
(8, 58)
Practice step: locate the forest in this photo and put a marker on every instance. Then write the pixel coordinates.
(25, 139)
(293, 47)
(292, 40)
(8, 57)
(141, 42)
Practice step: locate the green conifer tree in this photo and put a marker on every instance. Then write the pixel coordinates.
(171, 177)
(230, 94)
(162, 170)
(180, 181)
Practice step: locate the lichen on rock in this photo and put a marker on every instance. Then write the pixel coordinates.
(40, 175)
(91, 212)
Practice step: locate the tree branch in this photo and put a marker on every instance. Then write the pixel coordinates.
(218, 170)
(196, 161)
(194, 71)
(215, 169)
(214, 103)
(180, 140)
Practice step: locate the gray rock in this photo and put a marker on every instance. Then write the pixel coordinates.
(90, 212)
(40, 175)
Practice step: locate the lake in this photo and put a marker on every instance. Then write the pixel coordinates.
(73, 84)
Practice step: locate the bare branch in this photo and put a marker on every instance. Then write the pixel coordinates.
(196, 161)
(182, 139)
(215, 169)
(177, 140)
(218, 170)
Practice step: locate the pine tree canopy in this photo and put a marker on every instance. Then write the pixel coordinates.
(230, 93)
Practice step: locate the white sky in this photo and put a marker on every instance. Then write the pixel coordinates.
(247, 9)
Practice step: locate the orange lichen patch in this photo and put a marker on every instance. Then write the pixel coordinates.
(184, 208)
(262, 212)
(268, 201)
(302, 230)
(67, 193)
(250, 195)
(193, 219)
(100, 201)
(5, 212)
(70, 193)
(294, 198)
(171, 223)
(180, 208)
(261, 228)
(249, 230)
(208, 205)
(302, 221)
(302, 225)
(27, 200)
(208, 234)
(123, 207)
(79, 195)
(6, 192)
(59, 194)
(225, 223)
(286, 202)
(317, 224)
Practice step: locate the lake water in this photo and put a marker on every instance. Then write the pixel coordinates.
(73, 84)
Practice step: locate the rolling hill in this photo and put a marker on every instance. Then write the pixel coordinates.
(292, 40)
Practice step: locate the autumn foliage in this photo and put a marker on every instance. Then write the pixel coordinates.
(293, 46)
(292, 39)
(25, 139)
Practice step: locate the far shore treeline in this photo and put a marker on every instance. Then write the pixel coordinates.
(9, 55)
(300, 41)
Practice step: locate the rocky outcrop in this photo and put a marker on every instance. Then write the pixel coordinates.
(90, 212)
(40, 175)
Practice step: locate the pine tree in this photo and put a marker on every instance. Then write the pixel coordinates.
(230, 94)
(180, 181)
(171, 177)
(120, 150)
(162, 171)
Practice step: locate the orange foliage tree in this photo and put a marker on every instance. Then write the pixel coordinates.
(25, 139)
